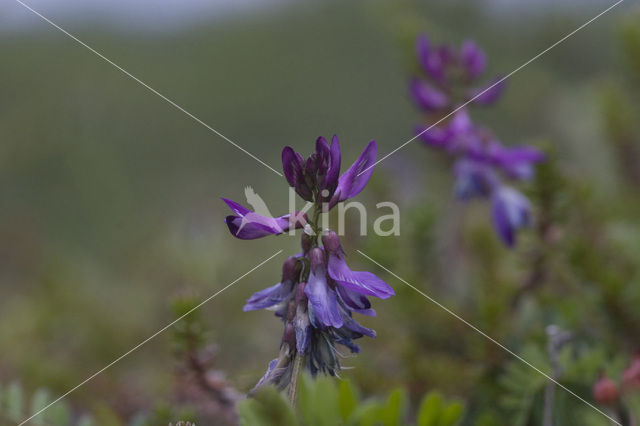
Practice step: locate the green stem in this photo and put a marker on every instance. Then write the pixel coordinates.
(293, 386)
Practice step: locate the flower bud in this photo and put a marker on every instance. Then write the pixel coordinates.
(290, 270)
(289, 336)
(331, 241)
(316, 258)
(605, 391)
(301, 297)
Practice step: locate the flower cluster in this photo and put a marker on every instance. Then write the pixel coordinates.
(482, 163)
(318, 293)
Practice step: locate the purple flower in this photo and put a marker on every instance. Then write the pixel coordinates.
(458, 132)
(451, 77)
(481, 161)
(427, 96)
(488, 94)
(248, 225)
(517, 162)
(318, 178)
(279, 293)
(433, 61)
(473, 59)
(510, 211)
(318, 293)
(322, 298)
(353, 181)
(360, 282)
(474, 179)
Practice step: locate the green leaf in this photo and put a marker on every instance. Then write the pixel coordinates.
(452, 414)
(267, 408)
(347, 399)
(429, 410)
(318, 402)
(391, 413)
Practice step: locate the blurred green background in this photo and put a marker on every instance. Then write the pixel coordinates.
(110, 198)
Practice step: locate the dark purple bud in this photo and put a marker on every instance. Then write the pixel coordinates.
(290, 270)
(293, 167)
(473, 59)
(289, 336)
(331, 181)
(301, 297)
(323, 159)
(331, 241)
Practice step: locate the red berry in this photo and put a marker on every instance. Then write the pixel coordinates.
(605, 391)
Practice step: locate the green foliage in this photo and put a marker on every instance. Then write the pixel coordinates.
(16, 406)
(322, 402)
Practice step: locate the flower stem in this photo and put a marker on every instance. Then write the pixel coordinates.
(293, 386)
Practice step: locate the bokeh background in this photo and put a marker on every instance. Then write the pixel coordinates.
(110, 198)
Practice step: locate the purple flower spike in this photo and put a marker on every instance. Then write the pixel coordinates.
(473, 59)
(511, 211)
(357, 176)
(321, 297)
(426, 96)
(248, 225)
(361, 282)
(316, 309)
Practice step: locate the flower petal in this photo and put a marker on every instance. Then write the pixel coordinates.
(510, 212)
(248, 225)
(489, 94)
(355, 302)
(292, 165)
(473, 59)
(359, 281)
(268, 297)
(331, 181)
(427, 96)
(323, 300)
(357, 176)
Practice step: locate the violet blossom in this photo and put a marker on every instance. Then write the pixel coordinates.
(482, 164)
(318, 293)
